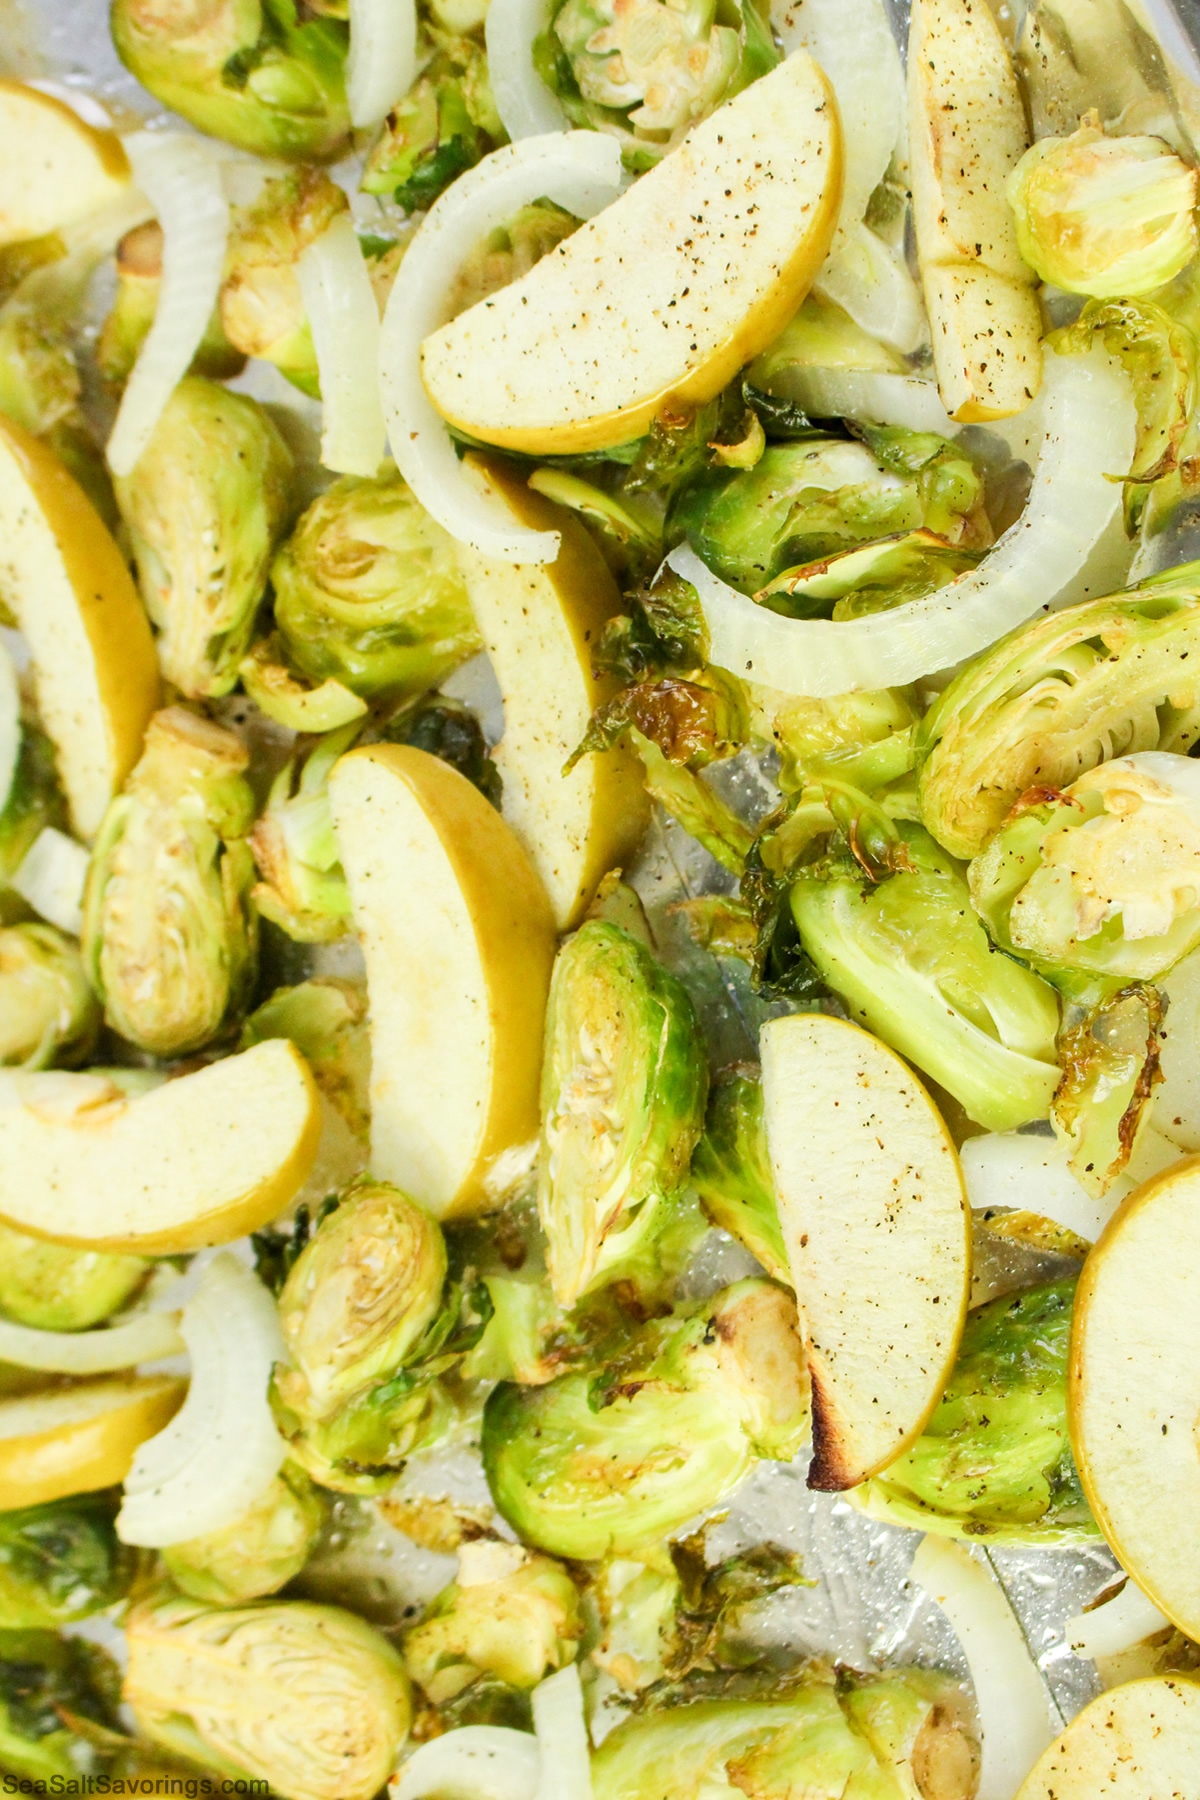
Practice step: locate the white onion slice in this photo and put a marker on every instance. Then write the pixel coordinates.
(485, 1762)
(1012, 1168)
(562, 1735)
(526, 106)
(1089, 420)
(382, 62)
(50, 878)
(344, 319)
(1014, 1718)
(221, 1450)
(1125, 1620)
(10, 723)
(579, 170)
(146, 1338)
(182, 179)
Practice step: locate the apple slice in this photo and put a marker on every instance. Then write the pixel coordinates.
(73, 1440)
(967, 133)
(665, 294)
(878, 1236)
(541, 623)
(72, 595)
(459, 939)
(1140, 1741)
(54, 167)
(1134, 1388)
(199, 1160)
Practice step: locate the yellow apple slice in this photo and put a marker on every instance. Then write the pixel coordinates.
(541, 623)
(1134, 1389)
(458, 938)
(1140, 1741)
(73, 1440)
(878, 1236)
(70, 591)
(967, 132)
(199, 1160)
(54, 167)
(666, 293)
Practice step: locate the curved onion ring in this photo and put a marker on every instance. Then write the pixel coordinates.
(182, 179)
(51, 877)
(1121, 1622)
(1014, 1716)
(579, 170)
(1090, 425)
(490, 1761)
(382, 61)
(344, 320)
(558, 1719)
(146, 1338)
(526, 106)
(221, 1450)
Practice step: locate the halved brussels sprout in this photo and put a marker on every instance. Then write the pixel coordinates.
(995, 1461)
(205, 505)
(508, 252)
(48, 1013)
(42, 1678)
(1104, 215)
(262, 74)
(609, 1464)
(444, 124)
(303, 887)
(55, 1288)
(1110, 1065)
(168, 935)
(326, 1019)
(368, 589)
(61, 1561)
(623, 1090)
(731, 1170)
(260, 1552)
(1057, 696)
(309, 1700)
(864, 738)
(291, 700)
(139, 279)
(510, 1613)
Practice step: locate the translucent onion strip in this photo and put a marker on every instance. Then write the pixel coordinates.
(1030, 1173)
(221, 1450)
(526, 106)
(1010, 1696)
(579, 170)
(1125, 1620)
(144, 1339)
(50, 878)
(872, 396)
(562, 1735)
(870, 280)
(1089, 424)
(344, 319)
(382, 63)
(10, 723)
(489, 1761)
(181, 177)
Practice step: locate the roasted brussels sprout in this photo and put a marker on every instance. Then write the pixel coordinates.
(34, 801)
(591, 1466)
(623, 1090)
(509, 252)
(205, 506)
(863, 738)
(259, 1553)
(510, 1613)
(293, 700)
(48, 1013)
(326, 1019)
(912, 962)
(995, 1462)
(139, 278)
(168, 936)
(1104, 215)
(368, 589)
(444, 124)
(61, 1561)
(43, 1676)
(1110, 1064)
(262, 307)
(55, 1288)
(308, 1699)
(1057, 696)
(261, 74)
(303, 888)
(731, 1170)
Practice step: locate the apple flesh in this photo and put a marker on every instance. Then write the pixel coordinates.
(1140, 1741)
(459, 940)
(54, 167)
(665, 294)
(878, 1236)
(76, 1439)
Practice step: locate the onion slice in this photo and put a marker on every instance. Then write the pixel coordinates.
(51, 877)
(562, 1735)
(221, 1450)
(1119, 1624)
(10, 723)
(489, 1761)
(382, 62)
(146, 1338)
(1029, 1172)
(526, 106)
(871, 281)
(579, 170)
(344, 320)
(1089, 423)
(1010, 1695)
(182, 179)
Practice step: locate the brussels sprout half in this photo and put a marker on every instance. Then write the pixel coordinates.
(43, 1676)
(48, 1013)
(260, 1552)
(61, 1561)
(510, 1613)
(731, 1170)
(53, 1287)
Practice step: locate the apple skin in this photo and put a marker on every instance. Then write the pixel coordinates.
(86, 1454)
(61, 168)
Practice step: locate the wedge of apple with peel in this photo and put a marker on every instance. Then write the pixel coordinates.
(54, 167)
(69, 589)
(73, 1440)
(458, 938)
(541, 623)
(878, 1236)
(1140, 1741)
(1134, 1388)
(199, 1160)
(664, 295)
